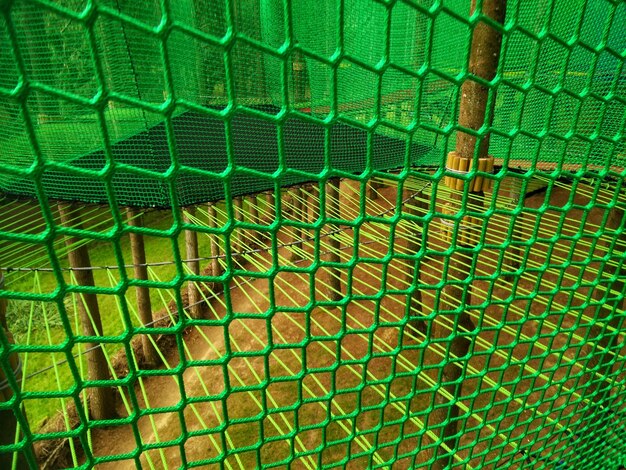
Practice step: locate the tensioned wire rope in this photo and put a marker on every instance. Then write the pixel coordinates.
(209, 257)
(26, 267)
(321, 326)
(109, 363)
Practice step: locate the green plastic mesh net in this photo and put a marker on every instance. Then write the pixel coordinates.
(323, 289)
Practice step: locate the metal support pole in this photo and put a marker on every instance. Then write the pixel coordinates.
(144, 305)
(484, 58)
(102, 400)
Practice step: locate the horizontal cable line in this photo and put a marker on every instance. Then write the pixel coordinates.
(203, 258)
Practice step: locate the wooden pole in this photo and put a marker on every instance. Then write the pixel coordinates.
(298, 233)
(140, 269)
(516, 252)
(8, 420)
(370, 190)
(313, 205)
(253, 210)
(216, 267)
(414, 207)
(484, 58)
(238, 241)
(270, 199)
(287, 203)
(332, 210)
(102, 400)
(191, 250)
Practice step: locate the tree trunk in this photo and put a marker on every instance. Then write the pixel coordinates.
(102, 400)
(332, 210)
(144, 305)
(194, 297)
(414, 207)
(216, 267)
(484, 58)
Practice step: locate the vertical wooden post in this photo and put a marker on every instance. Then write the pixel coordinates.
(8, 420)
(140, 269)
(238, 241)
(516, 252)
(298, 233)
(304, 213)
(216, 267)
(484, 58)
(286, 203)
(253, 210)
(270, 199)
(370, 190)
(192, 255)
(102, 400)
(332, 210)
(313, 209)
(414, 207)
(301, 89)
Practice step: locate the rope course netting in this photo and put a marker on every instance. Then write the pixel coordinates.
(312, 234)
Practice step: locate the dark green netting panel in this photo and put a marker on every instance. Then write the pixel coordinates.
(246, 234)
(98, 81)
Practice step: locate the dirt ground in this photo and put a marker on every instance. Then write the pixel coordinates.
(280, 372)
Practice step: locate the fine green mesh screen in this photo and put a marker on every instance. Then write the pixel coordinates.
(105, 87)
(403, 321)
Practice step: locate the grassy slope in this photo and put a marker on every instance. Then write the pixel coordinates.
(101, 253)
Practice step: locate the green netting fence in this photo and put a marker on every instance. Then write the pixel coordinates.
(312, 234)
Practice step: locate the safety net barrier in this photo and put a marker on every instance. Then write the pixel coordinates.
(313, 234)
